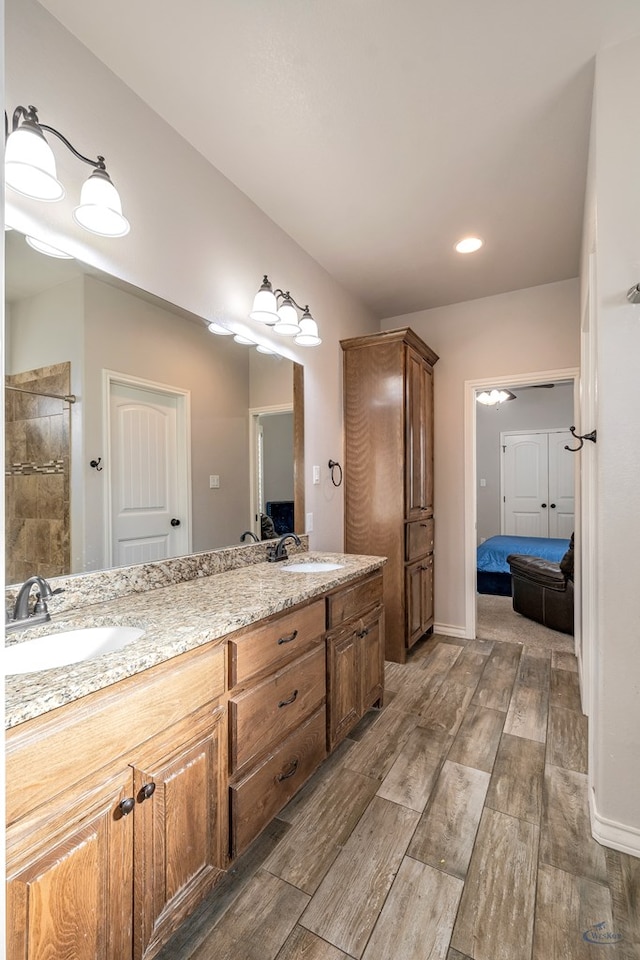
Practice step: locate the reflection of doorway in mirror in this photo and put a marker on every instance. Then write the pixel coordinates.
(149, 498)
(273, 471)
(37, 458)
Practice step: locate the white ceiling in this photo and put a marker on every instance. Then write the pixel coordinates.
(378, 133)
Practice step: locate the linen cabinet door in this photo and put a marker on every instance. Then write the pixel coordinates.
(181, 835)
(70, 896)
(418, 453)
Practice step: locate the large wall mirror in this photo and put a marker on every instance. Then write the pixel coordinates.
(178, 440)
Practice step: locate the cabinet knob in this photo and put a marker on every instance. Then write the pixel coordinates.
(289, 638)
(126, 806)
(285, 703)
(146, 791)
(552, 505)
(175, 522)
(543, 505)
(290, 773)
(363, 632)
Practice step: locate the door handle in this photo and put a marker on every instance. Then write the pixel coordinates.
(175, 522)
(543, 505)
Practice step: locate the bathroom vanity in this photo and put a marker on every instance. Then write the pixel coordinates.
(134, 781)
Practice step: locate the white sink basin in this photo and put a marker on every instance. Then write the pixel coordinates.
(313, 566)
(59, 649)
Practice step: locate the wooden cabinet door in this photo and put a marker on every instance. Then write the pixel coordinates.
(419, 598)
(181, 835)
(343, 684)
(419, 437)
(71, 897)
(371, 660)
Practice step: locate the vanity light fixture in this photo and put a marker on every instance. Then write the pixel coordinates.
(492, 397)
(30, 169)
(47, 249)
(279, 310)
(240, 338)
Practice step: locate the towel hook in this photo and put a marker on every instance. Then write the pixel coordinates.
(585, 436)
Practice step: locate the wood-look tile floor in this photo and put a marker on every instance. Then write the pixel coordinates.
(452, 824)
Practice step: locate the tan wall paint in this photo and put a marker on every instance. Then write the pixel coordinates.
(524, 331)
(196, 240)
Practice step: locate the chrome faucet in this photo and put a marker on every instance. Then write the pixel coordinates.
(22, 616)
(248, 533)
(279, 552)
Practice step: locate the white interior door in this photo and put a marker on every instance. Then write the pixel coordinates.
(538, 484)
(525, 472)
(149, 510)
(561, 485)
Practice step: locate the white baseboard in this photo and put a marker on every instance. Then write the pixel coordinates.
(609, 833)
(448, 630)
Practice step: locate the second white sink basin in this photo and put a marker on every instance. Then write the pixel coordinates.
(313, 566)
(73, 646)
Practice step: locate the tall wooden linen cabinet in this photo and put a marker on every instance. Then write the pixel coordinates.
(388, 473)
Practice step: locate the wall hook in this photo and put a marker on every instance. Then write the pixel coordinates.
(96, 464)
(334, 465)
(585, 436)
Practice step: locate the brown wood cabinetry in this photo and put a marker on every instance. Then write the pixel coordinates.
(112, 837)
(355, 655)
(388, 416)
(277, 716)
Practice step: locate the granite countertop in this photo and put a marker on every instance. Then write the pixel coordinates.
(176, 618)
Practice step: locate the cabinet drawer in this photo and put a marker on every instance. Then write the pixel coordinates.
(261, 649)
(354, 601)
(419, 539)
(259, 796)
(269, 711)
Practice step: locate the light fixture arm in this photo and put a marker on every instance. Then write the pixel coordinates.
(30, 114)
(285, 295)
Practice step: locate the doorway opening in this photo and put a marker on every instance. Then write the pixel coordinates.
(525, 383)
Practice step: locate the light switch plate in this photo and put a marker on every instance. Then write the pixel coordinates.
(214, 481)
(309, 523)
(316, 474)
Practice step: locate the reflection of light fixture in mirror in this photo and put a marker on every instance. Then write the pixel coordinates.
(266, 350)
(47, 249)
(239, 338)
(492, 397)
(219, 329)
(30, 169)
(278, 309)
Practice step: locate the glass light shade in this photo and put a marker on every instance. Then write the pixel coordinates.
(219, 329)
(308, 336)
(265, 307)
(266, 350)
(287, 324)
(493, 397)
(30, 166)
(47, 249)
(239, 338)
(100, 209)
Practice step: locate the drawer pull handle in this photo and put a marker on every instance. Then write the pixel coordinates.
(126, 806)
(147, 791)
(424, 524)
(285, 776)
(285, 703)
(288, 639)
(363, 633)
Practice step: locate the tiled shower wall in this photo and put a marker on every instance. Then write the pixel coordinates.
(37, 460)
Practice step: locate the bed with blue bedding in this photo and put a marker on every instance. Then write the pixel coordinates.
(494, 576)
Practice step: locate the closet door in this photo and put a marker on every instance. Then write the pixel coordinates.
(561, 485)
(525, 485)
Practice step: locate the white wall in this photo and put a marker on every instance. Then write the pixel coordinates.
(195, 240)
(533, 409)
(526, 331)
(611, 264)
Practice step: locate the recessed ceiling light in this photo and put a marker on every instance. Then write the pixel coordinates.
(469, 245)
